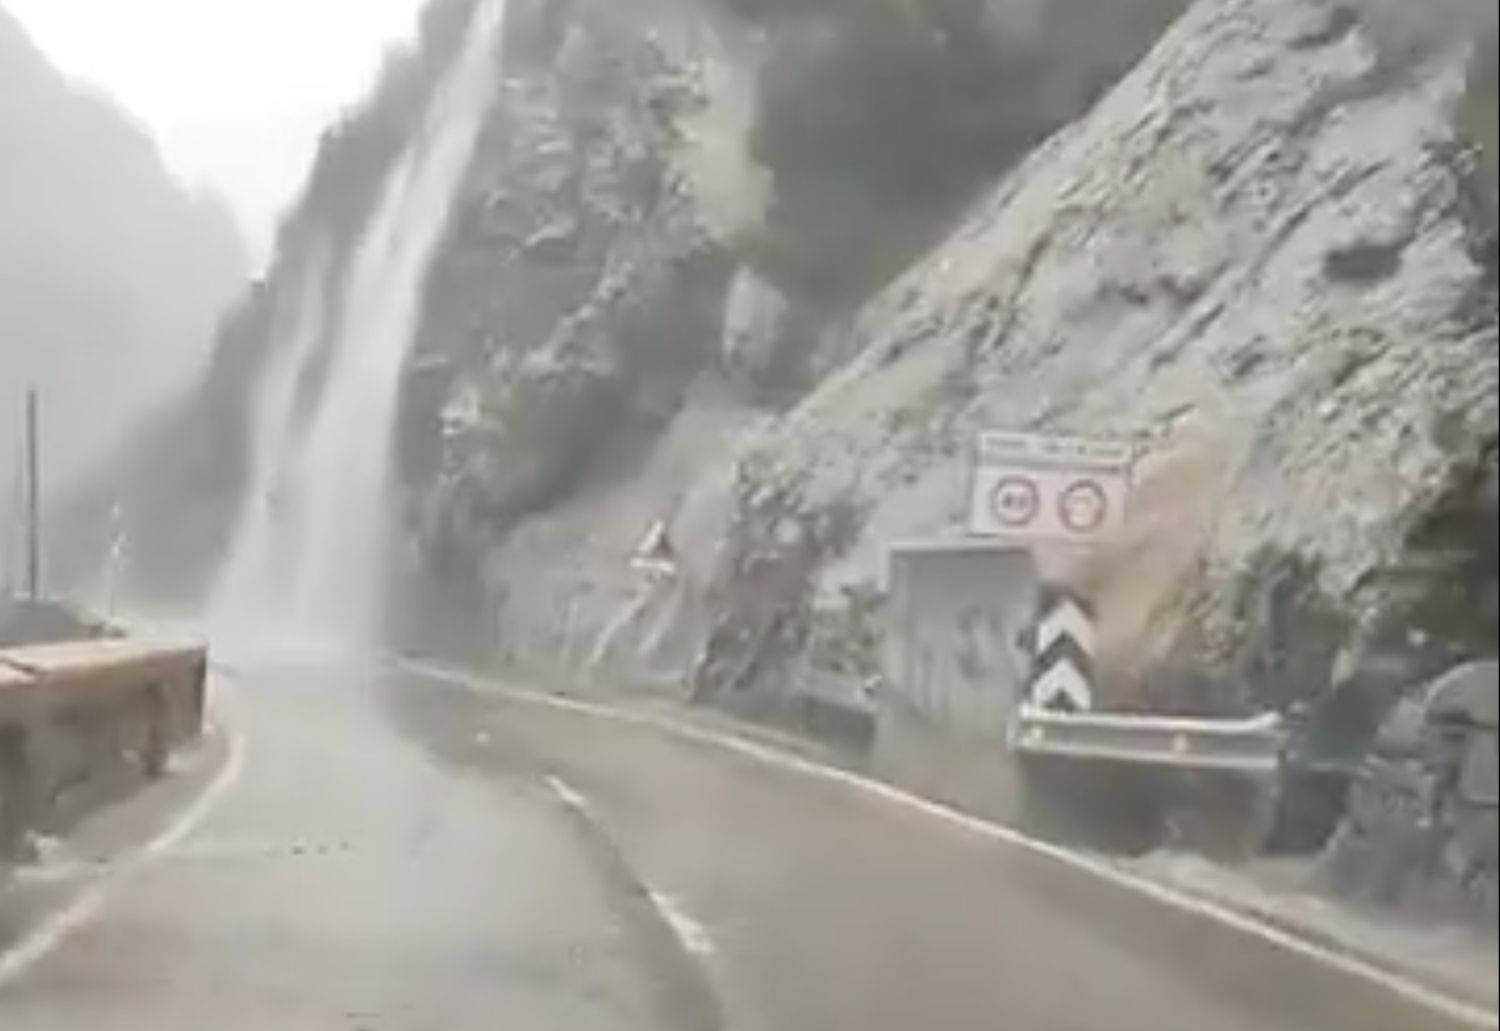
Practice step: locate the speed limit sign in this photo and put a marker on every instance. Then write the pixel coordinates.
(1016, 501)
(1032, 487)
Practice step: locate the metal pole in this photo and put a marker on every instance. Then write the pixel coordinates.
(13, 521)
(116, 556)
(33, 499)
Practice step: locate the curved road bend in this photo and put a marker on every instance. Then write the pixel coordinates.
(401, 855)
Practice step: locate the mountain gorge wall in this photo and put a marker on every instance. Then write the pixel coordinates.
(760, 272)
(1266, 256)
(679, 216)
(1260, 256)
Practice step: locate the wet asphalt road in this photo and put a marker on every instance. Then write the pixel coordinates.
(399, 854)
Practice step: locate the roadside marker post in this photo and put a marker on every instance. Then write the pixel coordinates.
(1063, 655)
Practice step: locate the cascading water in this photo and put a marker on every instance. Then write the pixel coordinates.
(310, 553)
(249, 587)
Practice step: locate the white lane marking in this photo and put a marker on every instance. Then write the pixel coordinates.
(42, 940)
(60, 873)
(1407, 988)
(568, 796)
(202, 851)
(692, 935)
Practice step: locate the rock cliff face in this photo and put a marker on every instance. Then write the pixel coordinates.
(675, 223)
(1259, 256)
(579, 297)
(760, 272)
(1264, 255)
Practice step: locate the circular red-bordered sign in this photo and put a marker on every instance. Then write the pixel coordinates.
(1083, 507)
(1015, 502)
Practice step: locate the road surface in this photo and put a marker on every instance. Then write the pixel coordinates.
(388, 852)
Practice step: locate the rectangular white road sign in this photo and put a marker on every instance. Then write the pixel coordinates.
(1037, 488)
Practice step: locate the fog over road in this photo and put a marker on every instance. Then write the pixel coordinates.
(393, 852)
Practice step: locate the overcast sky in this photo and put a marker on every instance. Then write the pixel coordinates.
(236, 92)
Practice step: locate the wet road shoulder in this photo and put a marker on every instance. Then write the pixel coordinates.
(832, 906)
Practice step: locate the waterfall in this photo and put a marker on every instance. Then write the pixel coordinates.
(253, 583)
(316, 532)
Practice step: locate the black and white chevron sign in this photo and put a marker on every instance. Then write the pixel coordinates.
(1063, 666)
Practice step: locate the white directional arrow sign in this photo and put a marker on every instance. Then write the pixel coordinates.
(1065, 620)
(1062, 687)
(1062, 679)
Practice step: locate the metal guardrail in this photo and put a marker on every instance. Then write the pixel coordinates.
(1251, 747)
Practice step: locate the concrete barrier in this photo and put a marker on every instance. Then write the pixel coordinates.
(954, 656)
(84, 723)
(954, 668)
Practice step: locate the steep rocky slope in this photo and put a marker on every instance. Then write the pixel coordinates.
(1262, 256)
(682, 211)
(640, 172)
(707, 270)
(1267, 256)
(111, 275)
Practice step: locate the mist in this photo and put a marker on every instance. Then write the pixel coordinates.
(112, 276)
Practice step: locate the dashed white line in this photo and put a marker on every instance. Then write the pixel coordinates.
(568, 796)
(203, 850)
(1404, 987)
(691, 935)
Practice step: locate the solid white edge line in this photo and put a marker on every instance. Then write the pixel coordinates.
(44, 939)
(1407, 988)
(692, 936)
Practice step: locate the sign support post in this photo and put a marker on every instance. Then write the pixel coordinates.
(33, 499)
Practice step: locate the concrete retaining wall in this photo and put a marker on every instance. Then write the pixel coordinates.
(955, 656)
(84, 723)
(954, 668)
